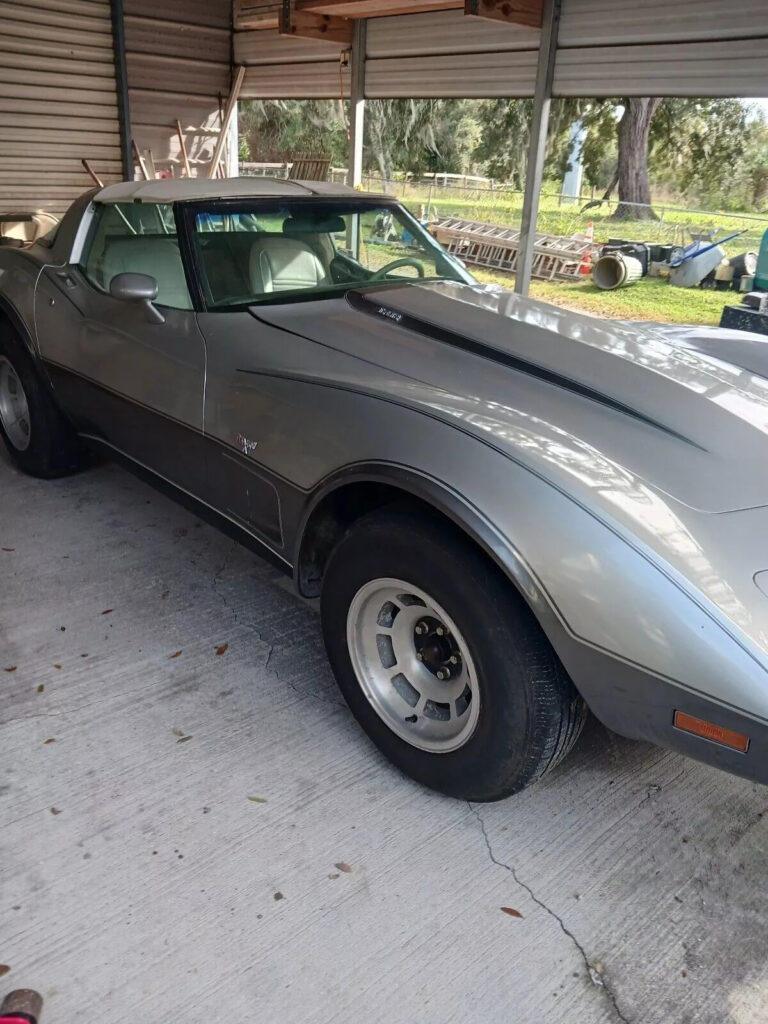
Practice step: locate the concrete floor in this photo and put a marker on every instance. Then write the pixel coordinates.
(210, 833)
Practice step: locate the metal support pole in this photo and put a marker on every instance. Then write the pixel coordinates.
(534, 172)
(121, 87)
(356, 105)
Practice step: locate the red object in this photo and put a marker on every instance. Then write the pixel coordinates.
(585, 267)
(13, 1019)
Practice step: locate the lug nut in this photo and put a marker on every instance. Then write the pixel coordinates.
(419, 656)
(454, 659)
(421, 628)
(441, 630)
(441, 673)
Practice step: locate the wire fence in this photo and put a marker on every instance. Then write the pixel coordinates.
(560, 215)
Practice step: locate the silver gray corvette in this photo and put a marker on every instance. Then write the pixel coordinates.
(510, 512)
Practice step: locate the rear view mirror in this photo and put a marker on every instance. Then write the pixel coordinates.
(137, 288)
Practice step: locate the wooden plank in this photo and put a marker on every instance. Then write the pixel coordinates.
(308, 25)
(513, 12)
(96, 179)
(227, 120)
(138, 159)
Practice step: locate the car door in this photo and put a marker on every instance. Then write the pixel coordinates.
(128, 381)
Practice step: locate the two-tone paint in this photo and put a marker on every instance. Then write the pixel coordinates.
(614, 471)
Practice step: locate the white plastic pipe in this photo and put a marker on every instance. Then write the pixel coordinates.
(616, 270)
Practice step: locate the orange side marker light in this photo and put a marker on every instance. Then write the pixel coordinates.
(710, 731)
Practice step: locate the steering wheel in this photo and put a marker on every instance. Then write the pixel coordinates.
(405, 261)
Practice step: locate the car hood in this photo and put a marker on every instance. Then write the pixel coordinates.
(588, 403)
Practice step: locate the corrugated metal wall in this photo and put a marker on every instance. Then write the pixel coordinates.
(58, 101)
(658, 47)
(284, 67)
(178, 65)
(445, 54)
(606, 48)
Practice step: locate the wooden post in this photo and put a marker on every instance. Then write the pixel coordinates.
(183, 146)
(230, 108)
(139, 160)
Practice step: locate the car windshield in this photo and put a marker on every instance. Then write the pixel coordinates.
(260, 252)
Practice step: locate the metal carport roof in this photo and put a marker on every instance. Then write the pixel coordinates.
(84, 78)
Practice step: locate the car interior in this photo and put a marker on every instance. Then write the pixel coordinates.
(246, 257)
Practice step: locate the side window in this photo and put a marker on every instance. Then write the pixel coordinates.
(137, 238)
(248, 256)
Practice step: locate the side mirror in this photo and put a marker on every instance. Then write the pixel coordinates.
(137, 288)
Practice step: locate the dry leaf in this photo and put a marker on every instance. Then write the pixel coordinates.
(107, 612)
(9, 549)
(222, 649)
(41, 688)
(51, 740)
(257, 799)
(278, 896)
(184, 739)
(334, 875)
(511, 911)
(341, 866)
(11, 669)
(57, 666)
(55, 810)
(4, 968)
(177, 732)
(176, 655)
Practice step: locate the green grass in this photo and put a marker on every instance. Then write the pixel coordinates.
(649, 299)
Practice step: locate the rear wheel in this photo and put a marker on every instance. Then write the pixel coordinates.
(39, 439)
(440, 660)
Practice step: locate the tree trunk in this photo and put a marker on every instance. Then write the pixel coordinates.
(633, 130)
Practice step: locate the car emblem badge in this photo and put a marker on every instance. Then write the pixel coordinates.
(245, 445)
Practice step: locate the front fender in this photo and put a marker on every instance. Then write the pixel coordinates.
(18, 277)
(634, 641)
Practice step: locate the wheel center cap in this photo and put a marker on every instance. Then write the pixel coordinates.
(435, 647)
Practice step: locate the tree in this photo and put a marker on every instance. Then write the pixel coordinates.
(506, 134)
(403, 134)
(632, 168)
(280, 129)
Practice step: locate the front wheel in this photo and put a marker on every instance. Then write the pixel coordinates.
(440, 660)
(39, 439)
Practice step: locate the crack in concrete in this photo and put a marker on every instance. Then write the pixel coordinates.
(302, 694)
(593, 970)
(217, 581)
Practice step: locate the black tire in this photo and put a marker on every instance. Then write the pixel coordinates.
(530, 712)
(53, 448)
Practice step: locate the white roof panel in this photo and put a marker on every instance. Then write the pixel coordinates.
(172, 190)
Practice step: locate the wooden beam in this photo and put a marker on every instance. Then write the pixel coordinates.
(376, 8)
(256, 14)
(227, 120)
(513, 12)
(308, 25)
